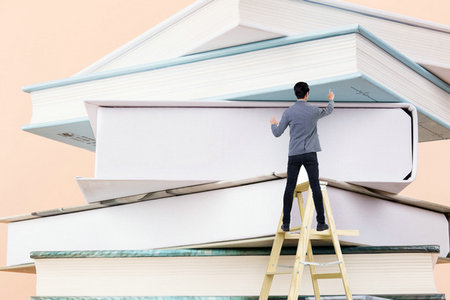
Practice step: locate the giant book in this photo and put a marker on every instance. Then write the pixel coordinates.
(214, 24)
(242, 213)
(180, 143)
(385, 270)
(351, 61)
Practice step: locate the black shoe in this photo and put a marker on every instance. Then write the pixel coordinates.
(322, 226)
(285, 227)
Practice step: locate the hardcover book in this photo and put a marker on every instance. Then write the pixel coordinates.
(228, 272)
(237, 22)
(216, 215)
(373, 145)
(351, 61)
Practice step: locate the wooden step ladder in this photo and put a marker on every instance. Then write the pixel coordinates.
(304, 247)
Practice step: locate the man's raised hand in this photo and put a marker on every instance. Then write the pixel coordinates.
(273, 121)
(330, 95)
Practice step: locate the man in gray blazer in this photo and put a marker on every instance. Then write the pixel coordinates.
(304, 144)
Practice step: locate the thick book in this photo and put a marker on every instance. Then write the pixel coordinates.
(351, 61)
(229, 272)
(373, 145)
(214, 24)
(243, 213)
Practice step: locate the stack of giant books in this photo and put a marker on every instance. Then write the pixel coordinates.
(188, 179)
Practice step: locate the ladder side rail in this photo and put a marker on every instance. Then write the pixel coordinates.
(312, 268)
(336, 244)
(273, 262)
(300, 256)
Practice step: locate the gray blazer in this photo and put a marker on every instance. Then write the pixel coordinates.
(302, 120)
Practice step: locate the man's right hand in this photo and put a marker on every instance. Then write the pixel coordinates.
(273, 121)
(330, 95)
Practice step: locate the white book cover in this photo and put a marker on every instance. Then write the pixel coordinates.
(351, 61)
(214, 24)
(371, 145)
(244, 212)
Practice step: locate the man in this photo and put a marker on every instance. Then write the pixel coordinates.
(302, 120)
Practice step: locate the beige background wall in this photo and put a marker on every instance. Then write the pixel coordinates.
(52, 39)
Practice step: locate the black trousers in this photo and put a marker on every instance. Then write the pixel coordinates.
(295, 162)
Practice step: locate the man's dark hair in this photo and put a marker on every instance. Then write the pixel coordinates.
(300, 89)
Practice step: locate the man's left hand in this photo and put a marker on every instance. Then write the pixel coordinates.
(273, 121)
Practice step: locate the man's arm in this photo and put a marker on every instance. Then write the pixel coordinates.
(329, 109)
(278, 128)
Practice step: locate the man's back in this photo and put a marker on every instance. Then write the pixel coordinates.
(302, 120)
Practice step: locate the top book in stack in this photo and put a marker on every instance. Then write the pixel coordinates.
(214, 24)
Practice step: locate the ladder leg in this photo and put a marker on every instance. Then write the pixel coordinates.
(312, 268)
(337, 246)
(301, 205)
(273, 261)
(303, 187)
(301, 248)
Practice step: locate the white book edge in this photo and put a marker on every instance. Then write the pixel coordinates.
(358, 9)
(419, 203)
(379, 13)
(181, 221)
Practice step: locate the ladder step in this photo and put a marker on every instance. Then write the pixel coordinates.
(302, 187)
(307, 263)
(323, 235)
(295, 228)
(326, 276)
(279, 273)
